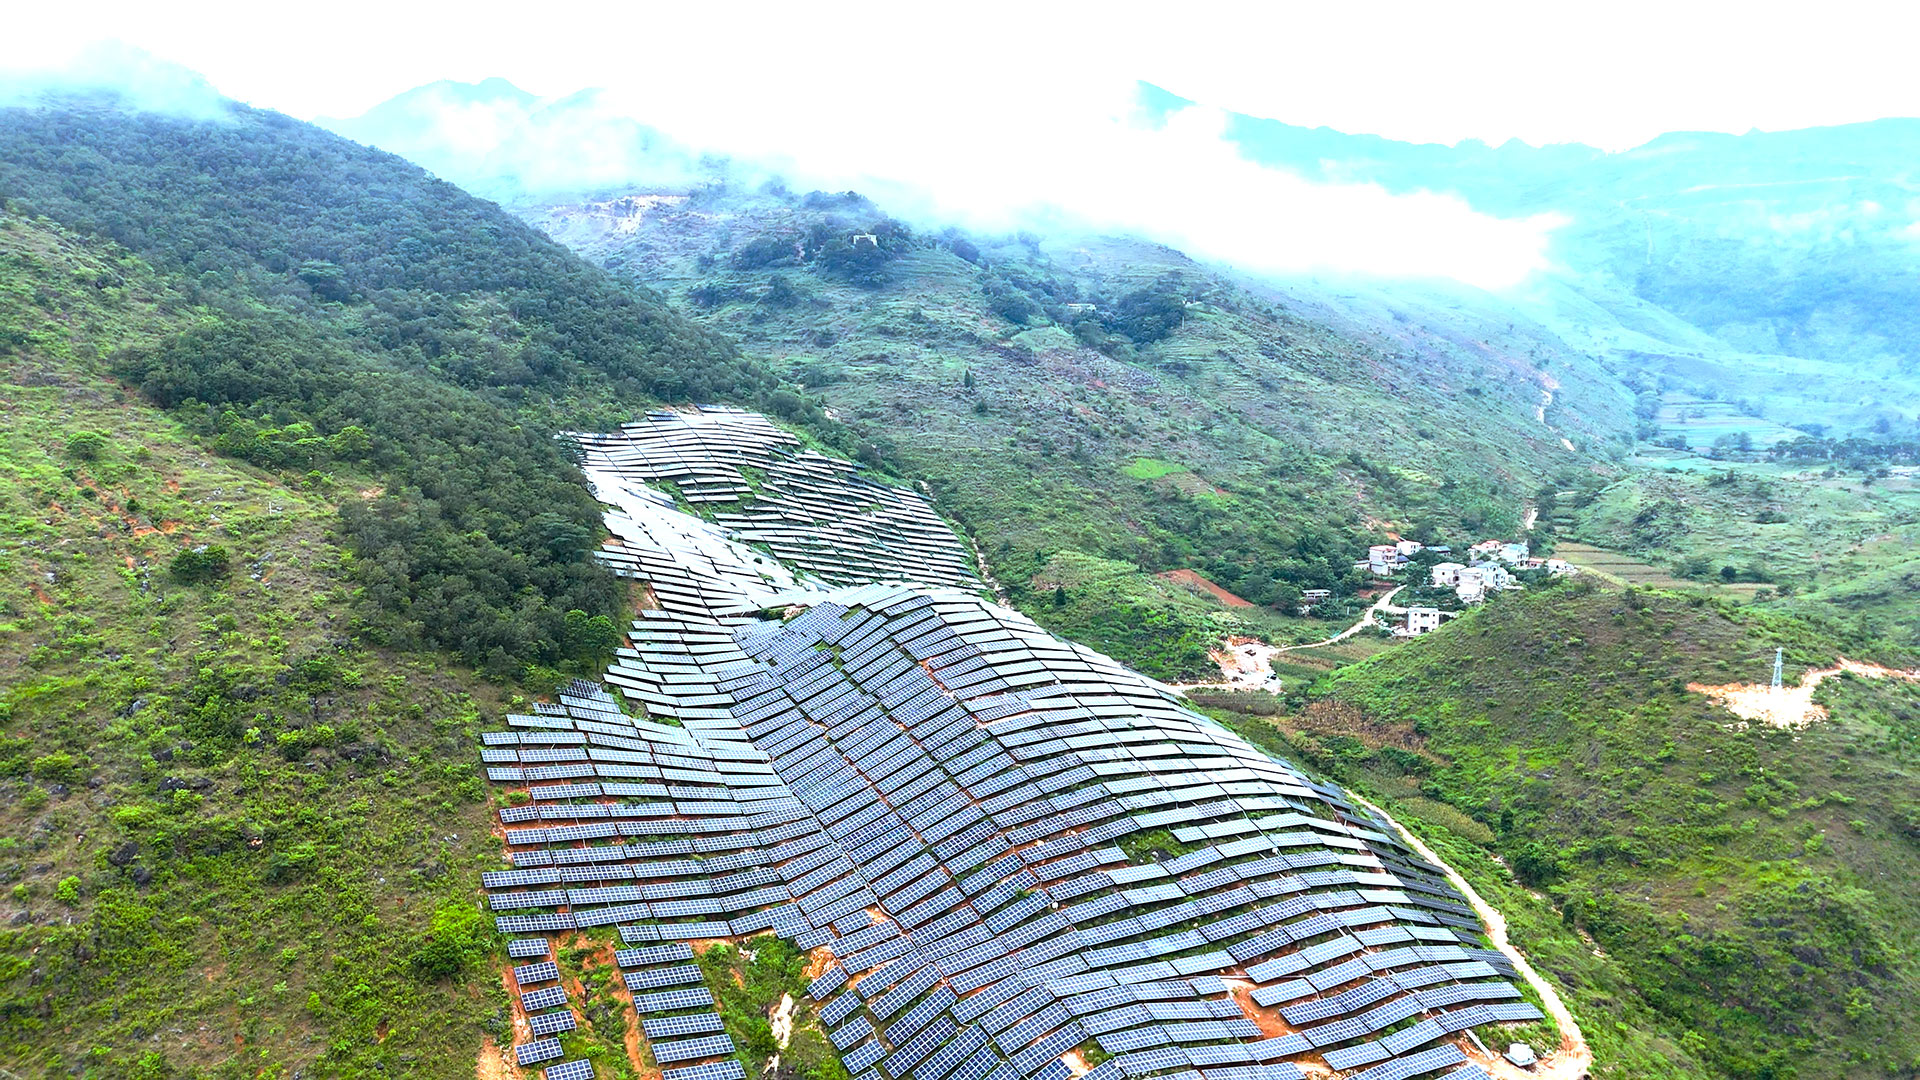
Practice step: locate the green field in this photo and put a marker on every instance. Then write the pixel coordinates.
(1808, 539)
(1703, 422)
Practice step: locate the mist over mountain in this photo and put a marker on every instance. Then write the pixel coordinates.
(1769, 266)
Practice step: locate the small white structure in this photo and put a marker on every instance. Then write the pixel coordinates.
(1409, 547)
(1446, 574)
(1561, 566)
(1422, 619)
(1521, 1055)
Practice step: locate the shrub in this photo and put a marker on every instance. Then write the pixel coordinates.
(86, 445)
(456, 937)
(208, 562)
(68, 891)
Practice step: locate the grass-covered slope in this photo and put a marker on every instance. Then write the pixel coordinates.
(1822, 538)
(1755, 893)
(236, 841)
(1116, 400)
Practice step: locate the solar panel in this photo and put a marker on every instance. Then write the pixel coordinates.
(667, 1027)
(545, 971)
(528, 948)
(535, 1052)
(551, 1023)
(691, 1049)
(580, 1069)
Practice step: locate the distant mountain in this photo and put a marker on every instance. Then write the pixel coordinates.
(1767, 247)
(502, 143)
(1774, 270)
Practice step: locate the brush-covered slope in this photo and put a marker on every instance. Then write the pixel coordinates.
(234, 836)
(1114, 400)
(1756, 886)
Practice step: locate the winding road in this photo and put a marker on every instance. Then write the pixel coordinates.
(1385, 603)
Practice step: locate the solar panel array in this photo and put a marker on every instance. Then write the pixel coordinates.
(934, 794)
(817, 514)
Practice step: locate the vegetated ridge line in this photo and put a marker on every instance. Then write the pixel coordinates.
(1380, 605)
(1577, 1056)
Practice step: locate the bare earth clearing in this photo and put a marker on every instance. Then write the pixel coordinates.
(1790, 706)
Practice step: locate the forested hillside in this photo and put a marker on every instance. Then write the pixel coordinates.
(353, 311)
(285, 516)
(238, 840)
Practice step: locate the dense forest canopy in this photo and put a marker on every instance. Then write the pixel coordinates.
(358, 313)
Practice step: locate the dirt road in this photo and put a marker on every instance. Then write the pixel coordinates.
(1574, 1057)
(1385, 603)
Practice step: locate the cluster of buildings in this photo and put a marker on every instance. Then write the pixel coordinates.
(1386, 560)
(1491, 567)
(1494, 562)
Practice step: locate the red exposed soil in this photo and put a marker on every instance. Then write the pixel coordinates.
(1193, 579)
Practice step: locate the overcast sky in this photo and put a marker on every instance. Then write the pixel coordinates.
(987, 111)
(1610, 74)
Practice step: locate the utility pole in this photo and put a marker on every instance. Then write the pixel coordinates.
(1778, 656)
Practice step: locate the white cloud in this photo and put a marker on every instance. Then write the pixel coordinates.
(1086, 162)
(999, 108)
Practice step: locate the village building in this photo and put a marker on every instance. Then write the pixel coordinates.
(1420, 620)
(1384, 560)
(1446, 574)
(1494, 575)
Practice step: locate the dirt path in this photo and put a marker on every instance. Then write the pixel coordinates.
(1385, 603)
(1574, 1057)
(1790, 706)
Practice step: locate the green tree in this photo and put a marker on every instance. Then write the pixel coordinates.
(86, 445)
(196, 565)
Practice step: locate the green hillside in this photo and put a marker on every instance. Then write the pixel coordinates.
(1114, 400)
(1832, 538)
(354, 312)
(237, 840)
(1748, 897)
(284, 517)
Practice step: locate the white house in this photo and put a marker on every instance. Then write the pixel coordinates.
(1470, 587)
(1513, 553)
(1384, 560)
(1446, 574)
(1561, 566)
(1422, 619)
(1494, 575)
(1485, 549)
(1409, 548)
